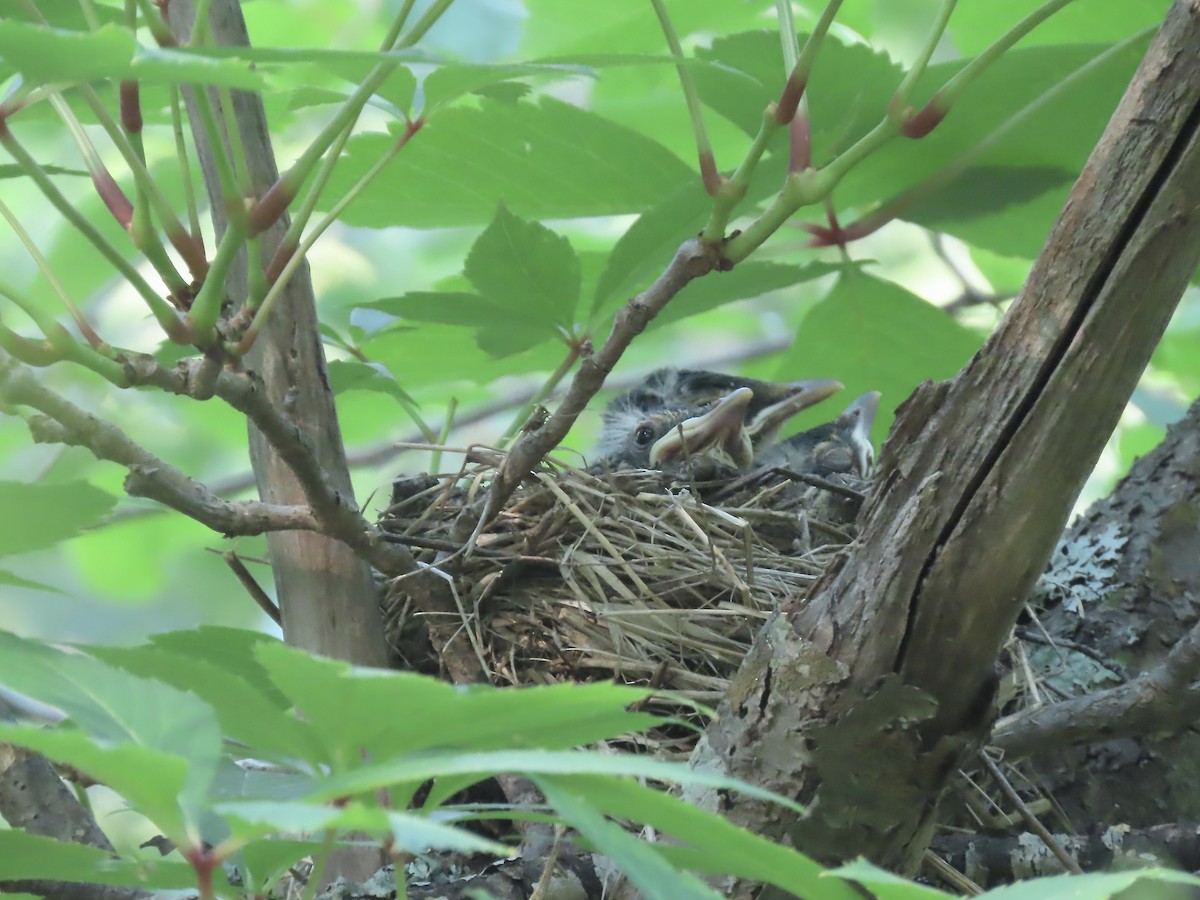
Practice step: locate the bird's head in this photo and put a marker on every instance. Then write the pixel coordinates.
(665, 437)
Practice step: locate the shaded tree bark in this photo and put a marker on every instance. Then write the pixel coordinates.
(862, 702)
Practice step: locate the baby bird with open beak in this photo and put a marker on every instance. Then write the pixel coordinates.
(665, 437)
(772, 404)
(840, 447)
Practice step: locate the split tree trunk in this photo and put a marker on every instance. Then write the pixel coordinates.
(862, 703)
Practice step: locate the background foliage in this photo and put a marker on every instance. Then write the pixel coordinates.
(555, 177)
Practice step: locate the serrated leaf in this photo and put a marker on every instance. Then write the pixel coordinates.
(641, 863)
(410, 832)
(52, 55)
(750, 279)
(526, 270)
(42, 515)
(341, 704)
(418, 768)
(448, 82)
(1092, 886)
(873, 335)
(352, 375)
(444, 307)
(254, 718)
(34, 856)
(114, 707)
(151, 780)
(547, 160)
(704, 842)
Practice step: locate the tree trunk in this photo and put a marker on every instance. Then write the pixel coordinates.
(864, 701)
(327, 596)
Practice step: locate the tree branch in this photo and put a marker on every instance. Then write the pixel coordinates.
(692, 260)
(1157, 700)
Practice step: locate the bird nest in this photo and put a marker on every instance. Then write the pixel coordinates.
(633, 576)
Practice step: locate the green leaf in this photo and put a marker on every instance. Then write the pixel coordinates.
(42, 515)
(644, 866)
(976, 25)
(648, 245)
(886, 885)
(416, 769)
(246, 714)
(352, 375)
(410, 832)
(1095, 886)
(750, 279)
(267, 860)
(448, 82)
(17, 581)
(34, 856)
(873, 335)
(151, 780)
(167, 727)
(341, 703)
(547, 160)
(444, 307)
(706, 842)
(55, 56)
(526, 270)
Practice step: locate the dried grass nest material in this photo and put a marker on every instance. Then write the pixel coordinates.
(627, 575)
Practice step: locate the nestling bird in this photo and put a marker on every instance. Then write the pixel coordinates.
(773, 403)
(666, 436)
(840, 447)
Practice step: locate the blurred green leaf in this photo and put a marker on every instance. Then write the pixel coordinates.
(873, 335)
(353, 375)
(42, 515)
(545, 160)
(704, 842)
(750, 279)
(151, 780)
(976, 25)
(17, 581)
(12, 170)
(33, 856)
(267, 860)
(640, 861)
(54, 56)
(246, 714)
(341, 704)
(134, 722)
(1093, 886)
(884, 884)
(411, 833)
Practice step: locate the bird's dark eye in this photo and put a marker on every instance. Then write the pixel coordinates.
(643, 435)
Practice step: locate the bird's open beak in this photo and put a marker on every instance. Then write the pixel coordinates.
(794, 397)
(722, 428)
(857, 419)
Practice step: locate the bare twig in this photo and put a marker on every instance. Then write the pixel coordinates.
(257, 594)
(1031, 821)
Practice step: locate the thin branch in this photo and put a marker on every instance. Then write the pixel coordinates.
(387, 450)
(149, 476)
(1027, 816)
(1157, 700)
(692, 260)
(337, 513)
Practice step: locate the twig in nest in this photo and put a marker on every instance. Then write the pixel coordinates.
(1030, 819)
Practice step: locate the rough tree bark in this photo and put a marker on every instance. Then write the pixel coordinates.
(864, 701)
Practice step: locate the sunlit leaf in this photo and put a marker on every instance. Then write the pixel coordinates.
(873, 335)
(545, 160)
(34, 856)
